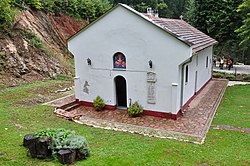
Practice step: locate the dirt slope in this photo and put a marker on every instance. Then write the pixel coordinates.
(35, 47)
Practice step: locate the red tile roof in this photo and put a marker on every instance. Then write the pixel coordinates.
(179, 29)
(185, 32)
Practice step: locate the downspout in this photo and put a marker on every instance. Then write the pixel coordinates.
(182, 79)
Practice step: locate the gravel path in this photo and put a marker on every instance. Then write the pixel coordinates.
(240, 69)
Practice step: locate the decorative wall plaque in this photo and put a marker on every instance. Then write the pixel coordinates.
(151, 79)
(151, 93)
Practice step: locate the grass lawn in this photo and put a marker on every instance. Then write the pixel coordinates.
(21, 114)
(235, 107)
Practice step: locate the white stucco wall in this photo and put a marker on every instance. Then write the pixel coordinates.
(140, 41)
(203, 73)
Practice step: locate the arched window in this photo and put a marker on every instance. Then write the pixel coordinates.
(119, 61)
(207, 62)
(186, 74)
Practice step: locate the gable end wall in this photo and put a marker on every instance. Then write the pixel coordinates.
(140, 41)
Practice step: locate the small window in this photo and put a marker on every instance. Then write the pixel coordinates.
(197, 60)
(119, 61)
(207, 62)
(186, 74)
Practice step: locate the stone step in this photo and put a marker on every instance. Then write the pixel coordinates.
(70, 106)
(67, 105)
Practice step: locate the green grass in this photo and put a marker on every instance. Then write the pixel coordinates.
(235, 107)
(20, 116)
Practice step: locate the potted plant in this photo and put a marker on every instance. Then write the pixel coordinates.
(99, 103)
(135, 110)
(62, 143)
(71, 148)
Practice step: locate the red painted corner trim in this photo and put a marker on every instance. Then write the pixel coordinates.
(162, 114)
(90, 104)
(191, 99)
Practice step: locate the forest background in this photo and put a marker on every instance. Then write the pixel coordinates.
(227, 21)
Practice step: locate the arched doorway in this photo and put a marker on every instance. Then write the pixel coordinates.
(121, 91)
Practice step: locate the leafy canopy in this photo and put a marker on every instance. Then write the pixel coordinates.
(244, 30)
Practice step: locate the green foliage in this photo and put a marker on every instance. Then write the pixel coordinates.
(36, 4)
(64, 139)
(230, 77)
(219, 19)
(60, 133)
(218, 149)
(163, 9)
(246, 77)
(244, 30)
(73, 142)
(99, 103)
(48, 5)
(33, 40)
(189, 14)
(63, 77)
(85, 9)
(135, 109)
(36, 42)
(6, 14)
(218, 75)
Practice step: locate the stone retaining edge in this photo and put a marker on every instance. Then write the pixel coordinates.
(146, 131)
(211, 117)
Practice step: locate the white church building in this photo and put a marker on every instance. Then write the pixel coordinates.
(127, 56)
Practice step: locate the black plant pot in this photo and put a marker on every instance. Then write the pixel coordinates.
(81, 156)
(30, 142)
(66, 156)
(29, 139)
(42, 148)
(37, 147)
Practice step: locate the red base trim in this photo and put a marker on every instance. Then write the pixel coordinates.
(151, 112)
(162, 114)
(146, 112)
(198, 92)
(90, 104)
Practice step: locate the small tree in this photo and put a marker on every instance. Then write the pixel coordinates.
(135, 110)
(99, 103)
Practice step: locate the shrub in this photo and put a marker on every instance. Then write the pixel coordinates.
(33, 40)
(246, 77)
(99, 103)
(230, 77)
(135, 109)
(6, 14)
(74, 142)
(218, 75)
(58, 139)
